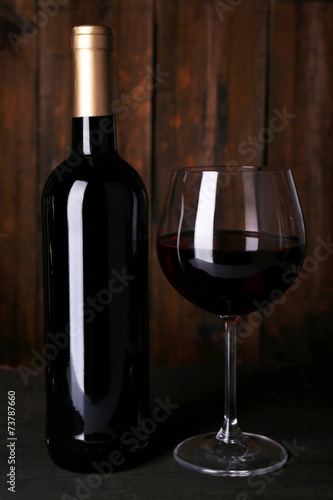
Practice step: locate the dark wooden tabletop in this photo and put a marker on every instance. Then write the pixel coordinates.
(290, 404)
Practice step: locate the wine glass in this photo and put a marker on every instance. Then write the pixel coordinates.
(231, 240)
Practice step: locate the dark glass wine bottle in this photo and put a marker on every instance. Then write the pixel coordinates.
(94, 215)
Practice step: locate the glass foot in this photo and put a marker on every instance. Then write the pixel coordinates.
(250, 455)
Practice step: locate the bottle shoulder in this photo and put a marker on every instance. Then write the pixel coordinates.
(96, 171)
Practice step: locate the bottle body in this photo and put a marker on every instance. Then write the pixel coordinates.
(95, 239)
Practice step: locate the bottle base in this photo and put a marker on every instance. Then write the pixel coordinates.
(101, 458)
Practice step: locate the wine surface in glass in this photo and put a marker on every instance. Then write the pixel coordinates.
(236, 273)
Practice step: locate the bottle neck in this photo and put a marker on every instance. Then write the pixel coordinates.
(93, 124)
(94, 135)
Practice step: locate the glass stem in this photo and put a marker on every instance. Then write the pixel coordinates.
(230, 430)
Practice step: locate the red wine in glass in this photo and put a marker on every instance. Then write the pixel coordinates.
(235, 280)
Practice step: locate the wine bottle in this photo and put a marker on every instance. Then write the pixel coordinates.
(95, 248)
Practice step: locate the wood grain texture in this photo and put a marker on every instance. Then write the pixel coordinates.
(301, 83)
(195, 83)
(134, 81)
(18, 145)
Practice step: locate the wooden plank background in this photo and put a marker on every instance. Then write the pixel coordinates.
(226, 69)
